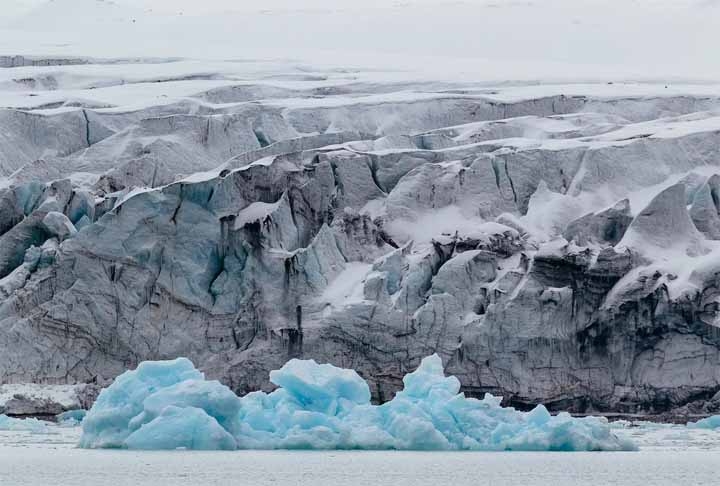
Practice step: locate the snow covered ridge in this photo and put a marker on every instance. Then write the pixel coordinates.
(553, 243)
(653, 39)
(170, 405)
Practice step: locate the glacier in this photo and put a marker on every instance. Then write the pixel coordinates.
(553, 241)
(170, 405)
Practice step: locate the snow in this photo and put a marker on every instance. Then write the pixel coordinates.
(480, 49)
(66, 396)
(168, 405)
(132, 193)
(202, 176)
(428, 225)
(347, 287)
(651, 39)
(254, 212)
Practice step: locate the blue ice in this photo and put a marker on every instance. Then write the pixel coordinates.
(712, 422)
(71, 418)
(28, 424)
(170, 405)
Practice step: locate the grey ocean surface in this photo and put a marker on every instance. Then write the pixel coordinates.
(668, 456)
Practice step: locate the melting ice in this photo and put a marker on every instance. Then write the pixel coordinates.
(169, 405)
(26, 425)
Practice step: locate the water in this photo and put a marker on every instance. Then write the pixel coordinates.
(669, 456)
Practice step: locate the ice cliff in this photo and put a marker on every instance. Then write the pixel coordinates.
(553, 244)
(169, 405)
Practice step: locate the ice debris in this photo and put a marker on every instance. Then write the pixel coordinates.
(71, 418)
(169, 405)
(26, 425)
(712, 422)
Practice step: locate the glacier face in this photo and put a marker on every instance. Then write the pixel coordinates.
(169, 405)
(552, 244)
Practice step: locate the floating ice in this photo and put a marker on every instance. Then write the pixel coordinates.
(181, 427)
(169, 405)
(321, 387)
(706, 423)
(137, 398)
(28, 424)
(71, 418)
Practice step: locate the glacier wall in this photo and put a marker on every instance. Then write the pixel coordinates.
(553, 244)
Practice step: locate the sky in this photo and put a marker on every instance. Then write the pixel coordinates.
(632, 38)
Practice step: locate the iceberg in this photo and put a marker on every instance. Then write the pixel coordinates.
(137, 398)
(170, 405)
(71, 418)
(181, 428)
(26, 425)
(712, 422)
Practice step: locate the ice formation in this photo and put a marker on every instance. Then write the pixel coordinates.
(17, 424)
(547, 240)
(29, 399)
(169, 405)
(712, 422)
(71, 418)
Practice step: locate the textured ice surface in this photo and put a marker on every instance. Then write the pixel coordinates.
(141, 398)
(706, 423)
(181, 427)
(16, 424)
(71, 418)
(169, 405)
(220, 204)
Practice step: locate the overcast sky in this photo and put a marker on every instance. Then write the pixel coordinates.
(677, 38)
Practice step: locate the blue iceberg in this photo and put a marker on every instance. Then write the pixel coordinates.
(71, 418)
(712, 422)
(181, 428)
(170, 405)
(26, 425)
(138, 399)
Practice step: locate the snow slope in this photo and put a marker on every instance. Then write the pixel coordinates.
(485, 39)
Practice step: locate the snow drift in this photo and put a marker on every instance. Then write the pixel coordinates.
(169, 405)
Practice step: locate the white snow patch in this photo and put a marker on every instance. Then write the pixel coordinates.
(254, 212)
(446, 220)
(347, 287)
(64, 395)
